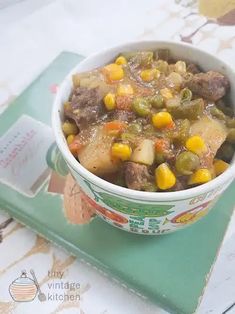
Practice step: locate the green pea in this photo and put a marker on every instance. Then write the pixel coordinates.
(134, 128)
(225, 152)
(186, 94)
(141, 107)
(231, 136)
(156, 101)
(186, 163)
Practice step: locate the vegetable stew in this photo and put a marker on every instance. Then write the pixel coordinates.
(151, 123)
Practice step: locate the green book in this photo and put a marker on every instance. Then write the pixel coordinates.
(171, 270)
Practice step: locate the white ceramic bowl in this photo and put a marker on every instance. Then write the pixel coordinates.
(135, 211)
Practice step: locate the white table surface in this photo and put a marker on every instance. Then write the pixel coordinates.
(32, 33)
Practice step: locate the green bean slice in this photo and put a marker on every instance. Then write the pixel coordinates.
(159, 158)
(156, 101)
(215, 112)
(186, 94)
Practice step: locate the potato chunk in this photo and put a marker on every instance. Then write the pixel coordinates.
(211, 130)
(144, 153)
(96, 155)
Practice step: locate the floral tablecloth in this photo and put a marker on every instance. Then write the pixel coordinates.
(31, 35)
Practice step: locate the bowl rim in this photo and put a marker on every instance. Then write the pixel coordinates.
(219, 181)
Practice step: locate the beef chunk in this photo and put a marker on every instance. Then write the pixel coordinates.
(211, 85)
(181, 184)
(193, 68)
(86, 106)
(137, 176)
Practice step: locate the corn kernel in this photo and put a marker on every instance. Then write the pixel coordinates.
(109, 101)
(121, 151)
(69, 128)
(121, 60)
(196, 145)
(166, 93)
(157, 73)
(70, 138)
(146, 75)
(76, 80)
(175, 79)
(180, 67)
(212, 171)
(125, 89)
(200, 176)
(165, 178)
(220, 166)
(114, 71)
(162, 119)
(67, 106)
(149, 74)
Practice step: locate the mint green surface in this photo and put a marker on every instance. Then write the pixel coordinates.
(169, 269)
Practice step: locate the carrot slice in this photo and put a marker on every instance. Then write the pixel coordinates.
(124, 102)
(115, 125)
(75, 146)
(162, 145)
(170, 126)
